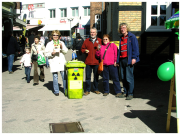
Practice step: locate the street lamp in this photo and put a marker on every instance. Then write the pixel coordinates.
(70, 19)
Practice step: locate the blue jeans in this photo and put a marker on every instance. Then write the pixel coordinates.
(55, 81)
(47, 63)
(88, 77)
(127, 76)
(10, 62)
(27, 73)
(113, 71)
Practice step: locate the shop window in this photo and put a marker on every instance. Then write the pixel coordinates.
(75, 12)
(52, 13)
(63, 12)
(157, 14)
(86, 11)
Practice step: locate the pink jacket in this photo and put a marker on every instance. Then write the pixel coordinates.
(110, 56)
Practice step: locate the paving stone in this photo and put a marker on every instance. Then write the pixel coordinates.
(80, 114)
(79, 110)
(116, 117)
(29, 120)
(98, 118)
(83, 118)
(36, 99)
(46, 120)
(10, 120)
(63, 120)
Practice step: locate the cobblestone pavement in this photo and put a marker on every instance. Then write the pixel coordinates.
(30, 109)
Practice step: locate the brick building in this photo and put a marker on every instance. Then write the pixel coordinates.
(98, 17)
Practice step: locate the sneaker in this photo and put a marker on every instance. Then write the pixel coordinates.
(129, 97)
(97, 92)
(121, 95)
(11, 72)
(86, 93)
(105, 94)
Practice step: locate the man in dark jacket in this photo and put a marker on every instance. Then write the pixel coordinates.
(89, 47)
(128, 56)
(78, 41)
(10, 47)
(31, 39)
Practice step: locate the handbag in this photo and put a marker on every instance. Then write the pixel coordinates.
(34, 57)
(101, 67)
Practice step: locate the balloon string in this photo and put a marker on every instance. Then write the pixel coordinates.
(171, 60)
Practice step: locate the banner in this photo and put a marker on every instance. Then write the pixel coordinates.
(24, 27)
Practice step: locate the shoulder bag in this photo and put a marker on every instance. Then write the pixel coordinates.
(101, 67)
(34, 57)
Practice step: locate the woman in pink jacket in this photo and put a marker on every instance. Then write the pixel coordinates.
(109, 65)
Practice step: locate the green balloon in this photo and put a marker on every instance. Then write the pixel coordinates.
(166, 71)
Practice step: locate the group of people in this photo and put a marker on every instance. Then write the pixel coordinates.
(123, 57)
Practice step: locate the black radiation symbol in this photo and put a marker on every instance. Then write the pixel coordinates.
(73, 74)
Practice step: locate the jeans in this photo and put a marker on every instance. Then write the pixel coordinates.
(10, 62)
(47, 63)
(27, 73)
(127, 76)
(113, 71)
(55, 81)
(88, 77)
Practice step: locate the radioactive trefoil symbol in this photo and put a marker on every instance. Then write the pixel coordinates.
(75, 75)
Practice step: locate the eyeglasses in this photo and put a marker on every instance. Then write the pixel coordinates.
(55, 35)
(123, 28)
(105, 39)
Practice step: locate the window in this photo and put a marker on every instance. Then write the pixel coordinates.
(86, 11)
(157, 14)
(75, 12)
(52, 13)
(98, 22)
(63, 12)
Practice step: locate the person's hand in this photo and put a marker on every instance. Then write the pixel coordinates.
(98, 48)
(53, 52)
(19, 52)
(37, 51)
(86, 51)
(133, 61)
(115, 64)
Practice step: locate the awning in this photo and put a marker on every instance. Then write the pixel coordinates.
(60, 27)
(19, 22)
(28, 27)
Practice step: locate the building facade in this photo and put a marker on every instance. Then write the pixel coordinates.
(10, 16)
(146, 20)
(61, 16)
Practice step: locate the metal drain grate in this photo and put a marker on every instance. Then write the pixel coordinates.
(66, 127)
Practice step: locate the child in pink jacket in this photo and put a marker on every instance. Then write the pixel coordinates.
(109, 65)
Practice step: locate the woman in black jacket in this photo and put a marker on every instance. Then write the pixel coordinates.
(77, 44)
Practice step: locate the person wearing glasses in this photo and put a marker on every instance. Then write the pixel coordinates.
(89, 47)
(128, 56)
(55, 51)
(109, 63)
